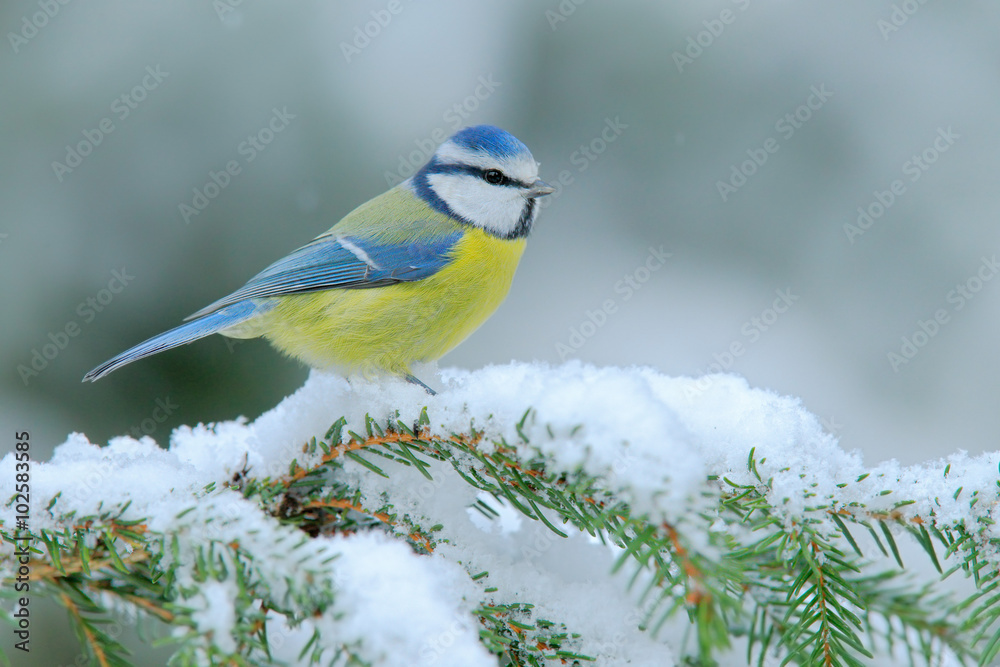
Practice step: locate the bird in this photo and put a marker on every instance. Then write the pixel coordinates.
(403, 278)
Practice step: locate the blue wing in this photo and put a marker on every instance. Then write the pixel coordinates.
(343, 262)
(213, 323)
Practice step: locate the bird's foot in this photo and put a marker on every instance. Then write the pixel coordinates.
(412, 379)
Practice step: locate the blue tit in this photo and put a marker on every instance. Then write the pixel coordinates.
(403, 278)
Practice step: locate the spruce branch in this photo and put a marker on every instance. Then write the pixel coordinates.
(822, 585)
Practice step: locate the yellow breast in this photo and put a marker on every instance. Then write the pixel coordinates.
(388, 328)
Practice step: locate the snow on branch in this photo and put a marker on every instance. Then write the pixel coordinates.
(526, 515)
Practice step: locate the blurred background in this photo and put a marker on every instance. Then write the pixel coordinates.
(742, 137)
(822, 175)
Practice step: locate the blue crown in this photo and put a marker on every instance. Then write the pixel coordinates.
(490, 140)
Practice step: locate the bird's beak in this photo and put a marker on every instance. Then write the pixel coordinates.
(539, 189)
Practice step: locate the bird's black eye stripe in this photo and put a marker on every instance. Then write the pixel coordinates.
(495, 177)
(491, 176)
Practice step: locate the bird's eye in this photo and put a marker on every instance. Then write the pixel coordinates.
(494, 177)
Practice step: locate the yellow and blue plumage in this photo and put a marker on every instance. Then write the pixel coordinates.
(403, 278)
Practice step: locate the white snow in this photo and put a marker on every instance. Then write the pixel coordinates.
(217, 616)
(653, 439)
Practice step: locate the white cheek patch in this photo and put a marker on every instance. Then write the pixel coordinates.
(495, 209)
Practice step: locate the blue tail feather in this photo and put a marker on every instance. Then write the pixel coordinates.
(215, 322)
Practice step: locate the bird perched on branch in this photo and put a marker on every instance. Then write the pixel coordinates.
(403, 278)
